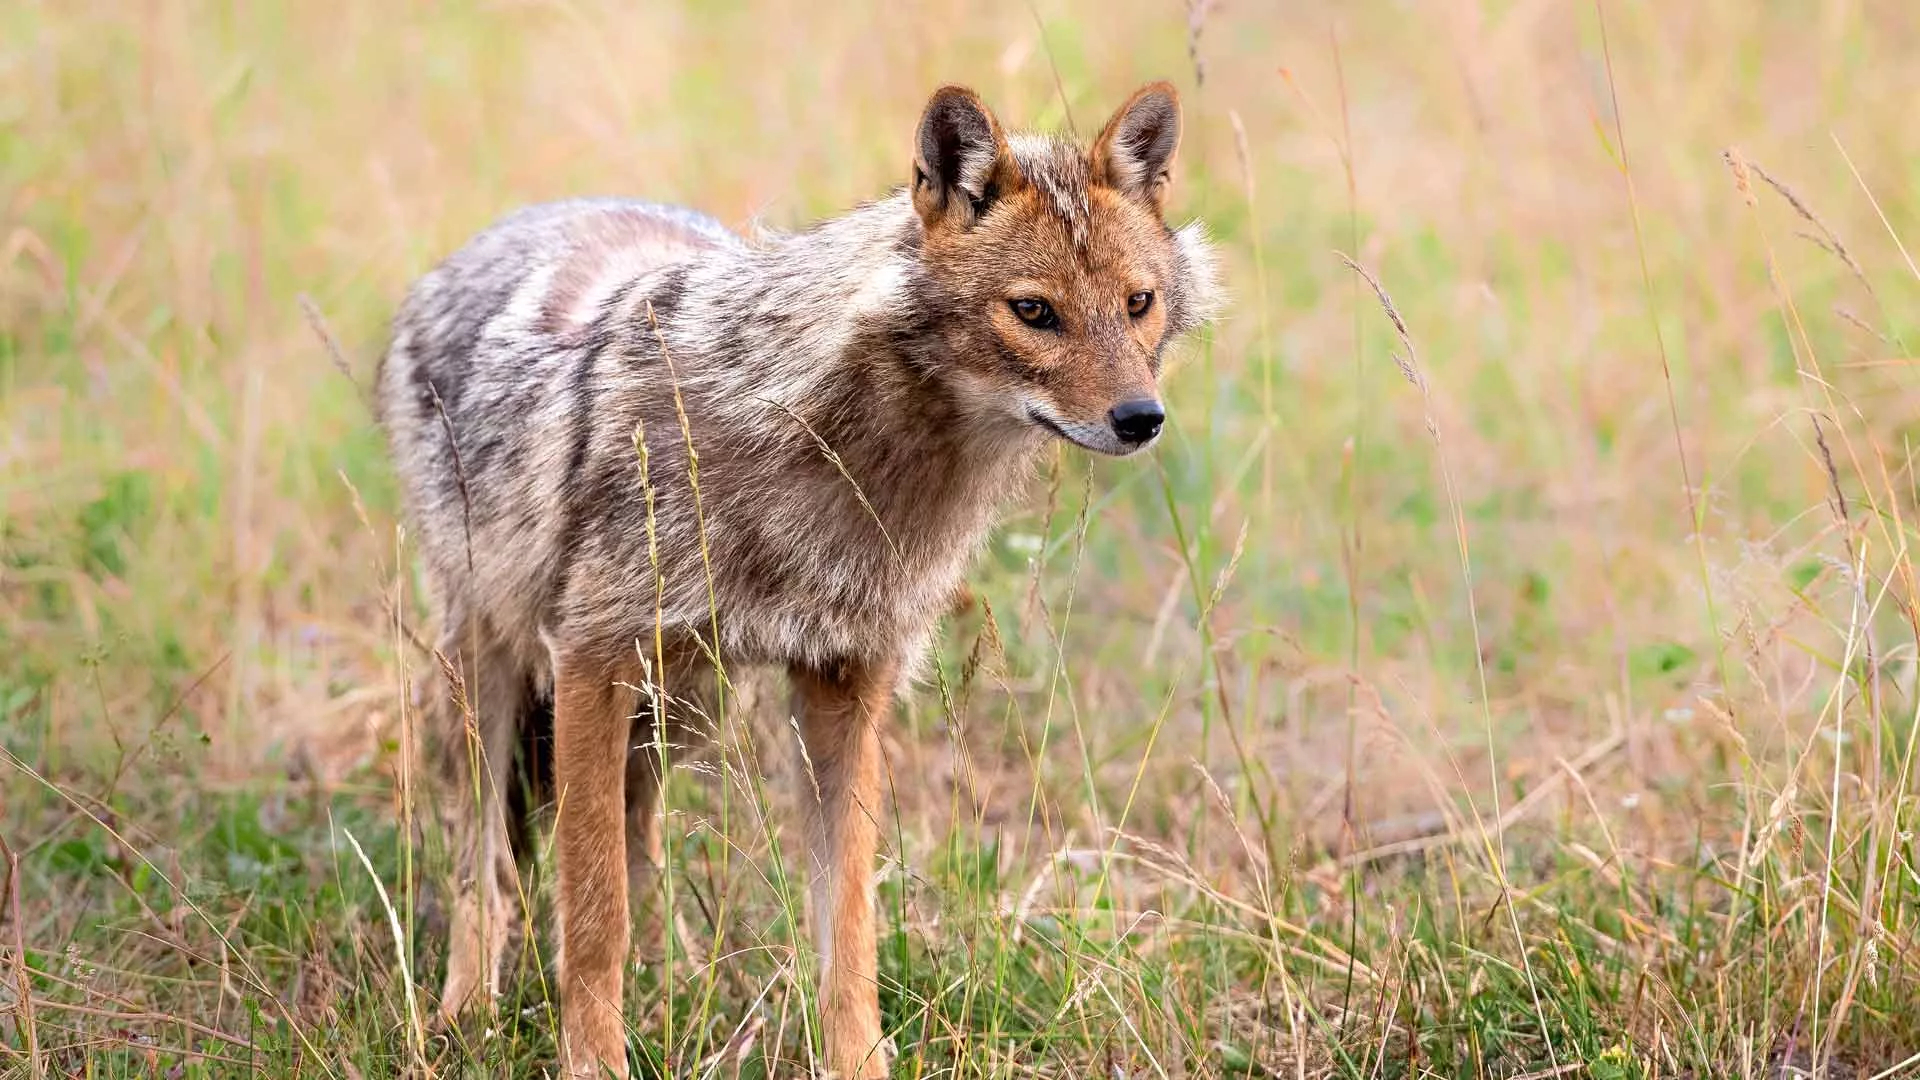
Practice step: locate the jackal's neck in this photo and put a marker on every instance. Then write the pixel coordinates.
(840, 331)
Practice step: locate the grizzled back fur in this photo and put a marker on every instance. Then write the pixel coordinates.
(862, 395)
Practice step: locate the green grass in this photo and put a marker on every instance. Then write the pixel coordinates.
(1237, 771)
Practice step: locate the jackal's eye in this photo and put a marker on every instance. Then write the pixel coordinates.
(1035, 313)
(1139, 302)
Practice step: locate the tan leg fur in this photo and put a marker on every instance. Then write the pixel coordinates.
(839, 714)
(592, 729)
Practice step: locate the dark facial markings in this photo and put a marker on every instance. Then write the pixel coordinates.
(1037, 417)
(1017, 365)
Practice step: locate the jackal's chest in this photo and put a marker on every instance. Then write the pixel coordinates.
(835, 596)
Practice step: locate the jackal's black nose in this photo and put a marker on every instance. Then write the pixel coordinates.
(1138, 420)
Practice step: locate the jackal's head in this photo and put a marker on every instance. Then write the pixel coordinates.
(1063, 284)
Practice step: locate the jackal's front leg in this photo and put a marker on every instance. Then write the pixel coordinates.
(591, 726)
(839, 713)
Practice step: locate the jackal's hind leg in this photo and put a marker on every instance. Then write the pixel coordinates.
(644, 856)
(475, 729)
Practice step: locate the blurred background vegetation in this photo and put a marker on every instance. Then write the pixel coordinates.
(1535, 698)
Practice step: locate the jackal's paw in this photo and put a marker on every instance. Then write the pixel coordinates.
(457, 1006)
(463, 996)
(596, 1054)
(874, 1065)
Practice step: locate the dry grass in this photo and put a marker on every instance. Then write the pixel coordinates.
(1552, 716)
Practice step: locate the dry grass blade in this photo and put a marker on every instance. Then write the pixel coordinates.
(1828, 240)
(1837, 495)
(318, 323)
(1892, 233)
(416, 1033)
(1861, 324)
(1408, 358)
(23, 1006)
(459, 471)
(839, 466)
(1197, 13)
(693, 485)
(1053, 66)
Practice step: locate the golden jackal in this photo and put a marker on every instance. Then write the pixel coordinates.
(1021, 287)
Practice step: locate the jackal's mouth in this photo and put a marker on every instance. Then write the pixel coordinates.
(1047, 422)
(1099, 439)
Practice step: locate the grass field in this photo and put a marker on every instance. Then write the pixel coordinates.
(1527, 692)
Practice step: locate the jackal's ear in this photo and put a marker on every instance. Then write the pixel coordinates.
(1134, 153)
(956, 155)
